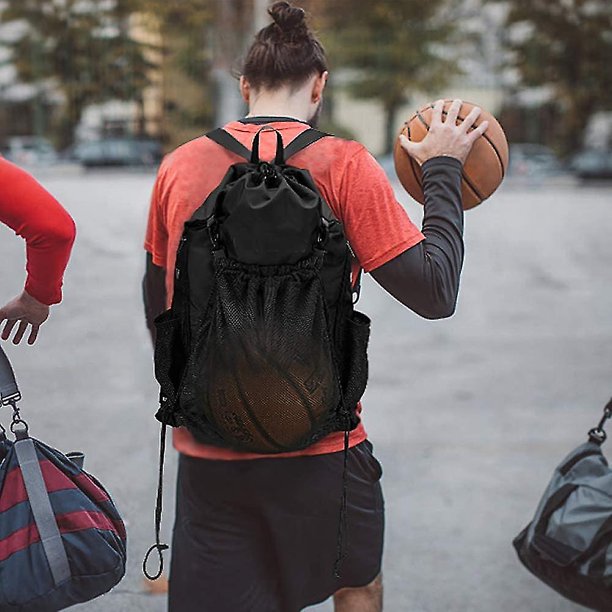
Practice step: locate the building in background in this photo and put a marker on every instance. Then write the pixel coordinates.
(191, 48)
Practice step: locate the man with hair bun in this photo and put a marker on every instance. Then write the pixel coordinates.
(257, 533)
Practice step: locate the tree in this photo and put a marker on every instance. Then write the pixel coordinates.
(566, 45)
(82, 48)
(201, 42)
(393, 47)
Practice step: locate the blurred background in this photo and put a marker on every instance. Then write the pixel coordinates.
(469, 415)
(120, 81)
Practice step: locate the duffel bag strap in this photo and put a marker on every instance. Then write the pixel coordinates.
(44, 516)
(9, 391)
(556, 500)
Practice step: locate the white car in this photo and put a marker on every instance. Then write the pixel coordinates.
(30, 151)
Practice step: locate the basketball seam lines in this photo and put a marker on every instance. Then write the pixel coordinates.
(474, 190)
(463, 175)
(499, 159)
(497, 154)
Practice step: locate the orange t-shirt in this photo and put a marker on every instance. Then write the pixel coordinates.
(348, 177)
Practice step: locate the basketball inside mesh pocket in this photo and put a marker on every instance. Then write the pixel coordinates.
(270, 380)
(355, 375)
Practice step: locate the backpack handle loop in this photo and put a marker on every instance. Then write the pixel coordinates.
(279, 158)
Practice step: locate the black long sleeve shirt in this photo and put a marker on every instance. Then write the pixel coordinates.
(425, 277)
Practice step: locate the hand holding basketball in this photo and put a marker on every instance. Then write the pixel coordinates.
(468, 133)
(446, 137)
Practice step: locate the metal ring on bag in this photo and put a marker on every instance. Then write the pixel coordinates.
(15, 427)
(597, 435)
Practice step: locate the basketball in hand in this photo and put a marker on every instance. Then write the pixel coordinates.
(483, 170)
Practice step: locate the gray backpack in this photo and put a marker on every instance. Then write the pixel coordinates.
(568, 545)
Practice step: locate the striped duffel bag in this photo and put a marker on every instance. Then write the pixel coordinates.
(62, 541)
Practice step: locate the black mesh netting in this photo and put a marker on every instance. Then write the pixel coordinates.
(262, 371)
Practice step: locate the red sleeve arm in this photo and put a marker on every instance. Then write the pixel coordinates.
(156, 238)
(47, 228)
(376, 224)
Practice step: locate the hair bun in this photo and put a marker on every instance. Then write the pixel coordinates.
(288, 18)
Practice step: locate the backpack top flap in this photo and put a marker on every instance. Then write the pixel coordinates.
(268, 213)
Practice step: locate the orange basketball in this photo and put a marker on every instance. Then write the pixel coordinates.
(483, 170)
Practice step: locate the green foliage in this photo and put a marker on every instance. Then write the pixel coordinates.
(394, 47)
(566, 44)
(84, 48)
(184, 28)
(185, 16)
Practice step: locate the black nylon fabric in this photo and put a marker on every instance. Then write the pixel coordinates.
(264, 226)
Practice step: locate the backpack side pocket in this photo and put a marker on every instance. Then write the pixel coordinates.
(169, 359)
(355, 359)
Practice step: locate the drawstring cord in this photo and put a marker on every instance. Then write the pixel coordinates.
(158, 512)
(342, 535)
(343, 518)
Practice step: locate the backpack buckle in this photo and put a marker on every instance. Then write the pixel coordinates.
(213, 232)
(323, 236)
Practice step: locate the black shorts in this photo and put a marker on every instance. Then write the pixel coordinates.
(260, 535)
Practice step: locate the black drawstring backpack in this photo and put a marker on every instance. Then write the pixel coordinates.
(62, 541)
(262, 350)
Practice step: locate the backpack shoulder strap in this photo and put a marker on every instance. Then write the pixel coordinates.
(305, 139)
(227, 141)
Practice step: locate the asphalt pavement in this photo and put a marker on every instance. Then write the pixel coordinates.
(468, 416)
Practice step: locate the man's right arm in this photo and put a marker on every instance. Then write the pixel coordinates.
(49, 232)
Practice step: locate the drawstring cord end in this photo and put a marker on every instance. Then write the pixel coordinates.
(160, 549)
(158, 512)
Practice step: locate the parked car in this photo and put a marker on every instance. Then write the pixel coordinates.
(530, 159)
(30, 151)
(592, 164)
(118, 152)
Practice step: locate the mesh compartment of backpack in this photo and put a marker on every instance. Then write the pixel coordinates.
(263, 370)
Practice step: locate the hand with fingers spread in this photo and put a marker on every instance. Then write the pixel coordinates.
(25, 311)
(446, 137)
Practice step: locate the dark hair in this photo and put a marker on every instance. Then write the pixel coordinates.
(286, 52)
